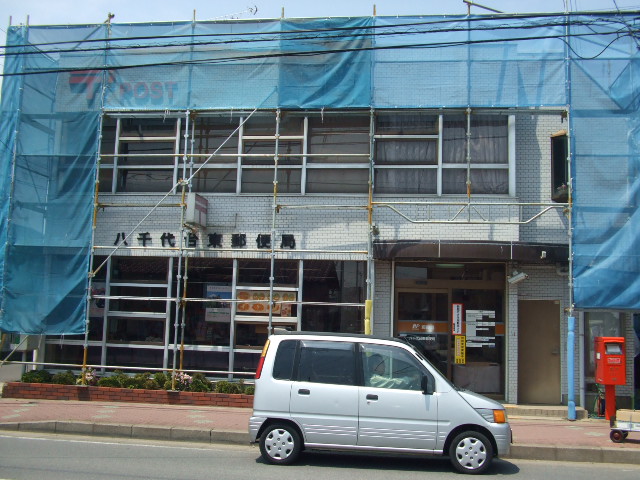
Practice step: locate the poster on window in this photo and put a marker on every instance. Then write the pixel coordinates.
(217, 310)
(257, 303)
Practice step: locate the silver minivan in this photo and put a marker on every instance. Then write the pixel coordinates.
(368, 394)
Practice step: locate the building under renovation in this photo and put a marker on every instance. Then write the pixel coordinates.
(173, 192)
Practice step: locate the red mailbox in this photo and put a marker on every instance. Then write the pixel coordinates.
(611, 361)
(611, 370)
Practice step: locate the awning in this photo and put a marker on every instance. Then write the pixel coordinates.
(525, 252)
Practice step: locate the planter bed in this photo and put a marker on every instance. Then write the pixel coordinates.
(49, 391)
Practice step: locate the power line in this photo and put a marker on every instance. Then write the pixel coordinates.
(364, 28)
(324, 38)
(212, 61)
(617, 33)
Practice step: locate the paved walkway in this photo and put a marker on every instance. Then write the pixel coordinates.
(539, 438)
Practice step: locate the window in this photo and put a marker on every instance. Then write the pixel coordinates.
(327, 362)
(390, 367)
(330, 283)
(559, 167)
(414, 153)
(598, 324)
(258, 143)
(406, 153)
(139, 154)
(285, 360)
(487, 149)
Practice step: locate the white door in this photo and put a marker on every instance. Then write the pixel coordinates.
(324, 400)
(393, 411)
(327, 413)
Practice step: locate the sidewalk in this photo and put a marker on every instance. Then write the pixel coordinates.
(534, 438)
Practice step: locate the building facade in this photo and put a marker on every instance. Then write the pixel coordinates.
(447, 224)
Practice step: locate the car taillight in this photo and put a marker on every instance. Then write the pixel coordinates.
(261, 361)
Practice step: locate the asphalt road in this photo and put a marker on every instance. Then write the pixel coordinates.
(51, 457)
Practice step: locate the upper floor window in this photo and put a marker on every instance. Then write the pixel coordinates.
(560, 167)
(413, 153)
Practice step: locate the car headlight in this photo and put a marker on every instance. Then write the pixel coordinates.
(493, 416)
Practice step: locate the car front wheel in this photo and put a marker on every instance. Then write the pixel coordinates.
(280, 444)
(471, 452)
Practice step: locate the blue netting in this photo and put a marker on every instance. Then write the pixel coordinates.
(50, 117)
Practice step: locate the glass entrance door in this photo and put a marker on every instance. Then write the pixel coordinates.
(423, 319)
(470, 352)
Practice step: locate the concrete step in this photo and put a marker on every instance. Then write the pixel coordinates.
(550, 411)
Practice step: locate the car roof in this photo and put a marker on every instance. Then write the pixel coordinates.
(357, 336)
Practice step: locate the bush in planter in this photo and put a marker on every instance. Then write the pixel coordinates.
(161, 379)
(227, 387)
(109, 382)
(36, 376)
(199, 383)
(64, 378)
(249, 390)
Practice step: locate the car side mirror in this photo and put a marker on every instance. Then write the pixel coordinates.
(427, 385)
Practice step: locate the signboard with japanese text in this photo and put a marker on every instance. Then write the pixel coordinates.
(481, 328)
(460, 350)
(456, 318)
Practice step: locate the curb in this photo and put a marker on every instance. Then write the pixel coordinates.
(554, 453)
(183, 434)
(149, 432)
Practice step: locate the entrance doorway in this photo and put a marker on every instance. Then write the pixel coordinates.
(470, 350)
(539, 352)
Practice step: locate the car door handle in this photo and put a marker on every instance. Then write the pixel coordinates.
(304, 391)
(372, 397)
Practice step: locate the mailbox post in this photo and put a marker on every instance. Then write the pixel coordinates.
(611, 370)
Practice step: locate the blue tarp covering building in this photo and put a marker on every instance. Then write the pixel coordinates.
(59, 79)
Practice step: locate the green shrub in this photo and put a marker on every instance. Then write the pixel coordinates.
(199, 383)
(227, 387)
(161, 378)
(64, 378)
(36, 376)
(151, 384)
(129, 382)
(109, 382)
(250, 390)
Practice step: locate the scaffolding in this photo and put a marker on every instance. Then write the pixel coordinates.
(505, 65)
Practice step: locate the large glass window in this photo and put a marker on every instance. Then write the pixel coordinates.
(414, 153)
(336, 288)
(598, 324)
(252, 294)
(486, 151)
(406, 153)
(207, 323)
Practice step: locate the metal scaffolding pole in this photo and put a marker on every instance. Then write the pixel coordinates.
(274, 213)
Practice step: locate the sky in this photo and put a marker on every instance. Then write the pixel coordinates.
(52, 12)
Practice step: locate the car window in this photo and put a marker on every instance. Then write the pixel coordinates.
(327, 362)
(285, 360)
(390, 367)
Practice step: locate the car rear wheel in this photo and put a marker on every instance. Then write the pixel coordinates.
(471, 452)
(280, 444)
